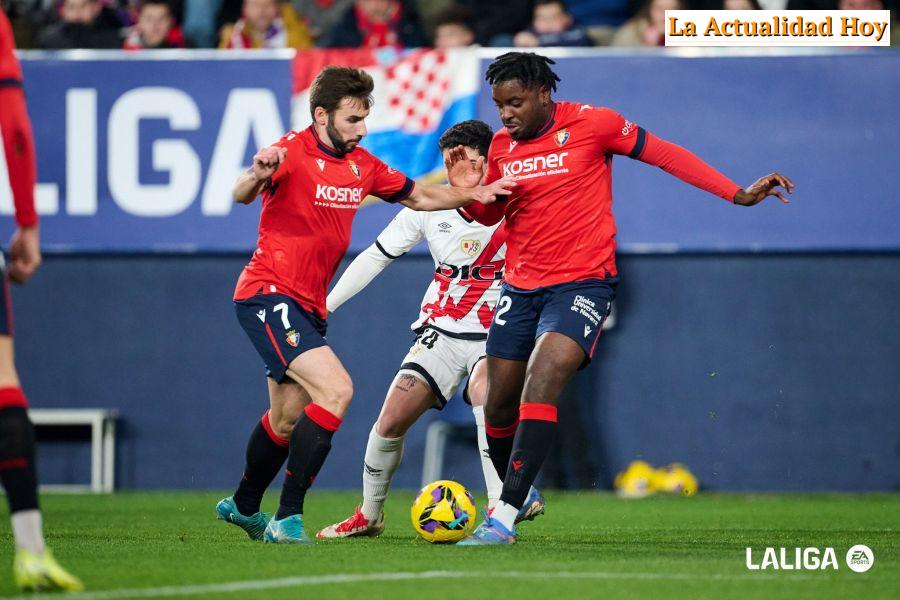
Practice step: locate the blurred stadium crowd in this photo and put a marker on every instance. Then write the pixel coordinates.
(148, 24)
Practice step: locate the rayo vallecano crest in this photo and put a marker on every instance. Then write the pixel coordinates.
(562, 136)
(470, 247)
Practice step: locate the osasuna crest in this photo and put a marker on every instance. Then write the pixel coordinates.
(562, 136)
(354, 168)
(470, 247)
(321, 164)
(292, 338)
(512, 145)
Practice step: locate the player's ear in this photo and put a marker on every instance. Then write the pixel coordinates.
(320, 115)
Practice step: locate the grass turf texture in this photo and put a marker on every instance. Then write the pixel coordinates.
(656, 547)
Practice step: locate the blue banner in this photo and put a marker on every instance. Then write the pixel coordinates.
(830, 122)
(139, 155)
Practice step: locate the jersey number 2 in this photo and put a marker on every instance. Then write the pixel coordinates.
(503, 307)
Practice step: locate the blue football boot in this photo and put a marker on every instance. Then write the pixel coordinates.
(288, 530)
(534, 506)
(254, 525)
(491, 532)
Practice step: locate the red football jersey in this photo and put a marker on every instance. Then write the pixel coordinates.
(9, 64)
(559, 216)
(307, 213)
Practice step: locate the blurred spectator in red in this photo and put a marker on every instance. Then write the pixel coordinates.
(648, 26)
(266, 24)
(155, 28)
(552, 25)
(82, 24)
(377, 24)
(453, 28)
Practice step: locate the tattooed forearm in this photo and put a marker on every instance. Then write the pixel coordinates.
(406, 383)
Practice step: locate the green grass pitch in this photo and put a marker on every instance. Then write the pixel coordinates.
(588, 545)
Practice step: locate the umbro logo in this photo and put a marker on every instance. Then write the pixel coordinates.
(445, 225)
(587, 330)
(262, 315)
(372, 470)
(321, 164)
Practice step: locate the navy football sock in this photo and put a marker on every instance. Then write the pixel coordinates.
(310, 444)
(17, 465)
(266, 452)
(535, 436)
(500, 445)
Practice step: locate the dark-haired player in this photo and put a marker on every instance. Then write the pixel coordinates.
(560, 262)
(312, 183)
(451, 330)
(34, 567)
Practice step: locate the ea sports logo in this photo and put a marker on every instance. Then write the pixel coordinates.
(860, 558)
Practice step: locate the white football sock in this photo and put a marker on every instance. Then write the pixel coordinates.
(506, 514)
(26, 526)
(492, 482)
(383, 456)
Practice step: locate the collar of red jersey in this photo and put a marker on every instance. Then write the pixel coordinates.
(323, 146)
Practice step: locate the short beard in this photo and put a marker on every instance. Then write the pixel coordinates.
(340, 146)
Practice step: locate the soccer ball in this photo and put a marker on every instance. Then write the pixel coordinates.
(443, 512)
(675, 479)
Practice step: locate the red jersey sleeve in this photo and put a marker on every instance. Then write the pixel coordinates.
(685, 165)
(624, 137)
(616, 134)
(389, 184)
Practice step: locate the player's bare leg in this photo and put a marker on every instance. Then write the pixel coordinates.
(407, 399)
(34, 567)
(322, 376)
(267, 449)
(554, 360)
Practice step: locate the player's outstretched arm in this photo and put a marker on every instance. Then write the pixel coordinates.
(251, 182)
(688, 167)
(357, 276)
(427, 196)
(764, 187)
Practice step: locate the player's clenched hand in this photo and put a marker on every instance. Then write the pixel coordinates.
(461, 170)
(266, 161)
(764, 187)
(24, 254)
(488, 193)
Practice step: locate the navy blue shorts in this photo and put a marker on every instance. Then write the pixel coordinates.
(576, 310)
(280, 330)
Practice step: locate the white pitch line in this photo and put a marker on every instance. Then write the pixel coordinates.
(287, 582)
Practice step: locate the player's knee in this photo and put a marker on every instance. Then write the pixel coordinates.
(284, 426)
(389, 425)
(338, 396)
(501, 414)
